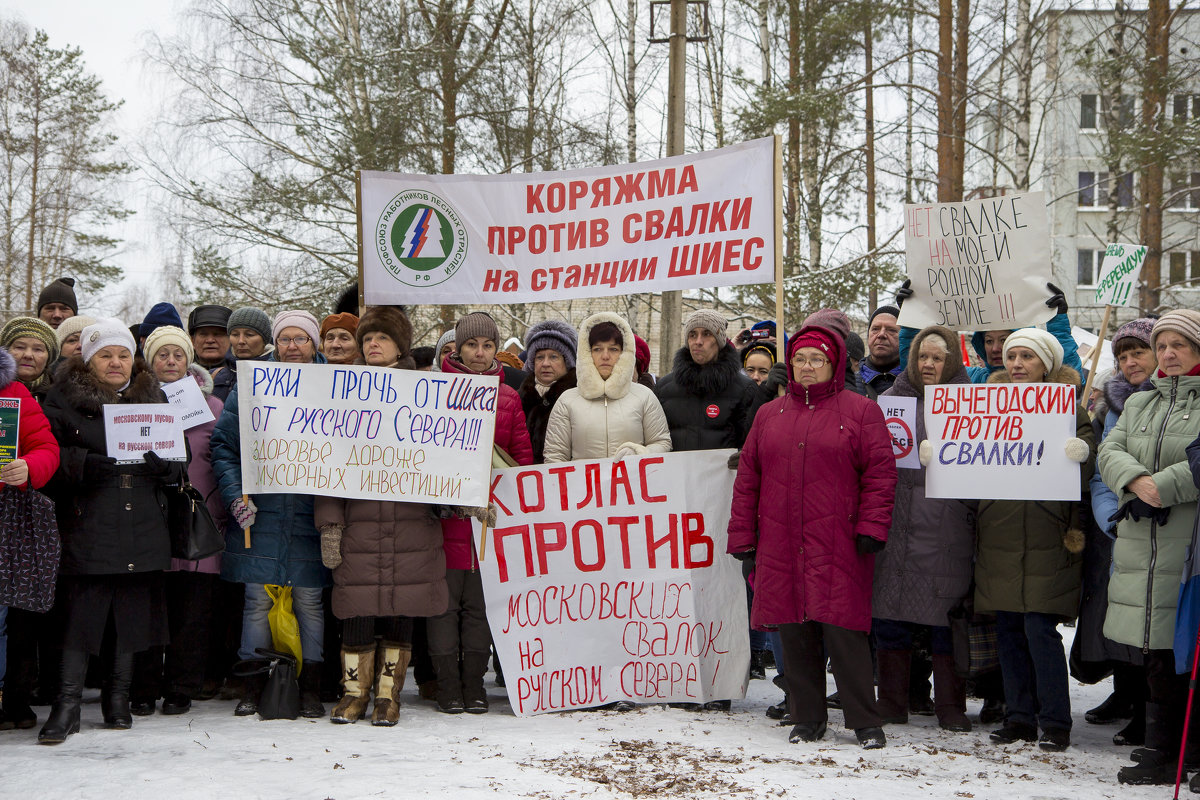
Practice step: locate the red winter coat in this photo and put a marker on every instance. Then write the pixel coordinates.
(816, 471)
(35, 443)
(511, 436)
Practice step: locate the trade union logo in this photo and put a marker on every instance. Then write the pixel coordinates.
(420, 239)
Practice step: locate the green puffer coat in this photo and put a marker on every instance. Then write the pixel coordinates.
(1150, 439)
(1022, 563)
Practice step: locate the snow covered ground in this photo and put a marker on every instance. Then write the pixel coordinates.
(654, 752)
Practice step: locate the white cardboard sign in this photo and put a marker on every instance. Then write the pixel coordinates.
(131, 431)
(1119, 274)
(900, 414)
(189, 401)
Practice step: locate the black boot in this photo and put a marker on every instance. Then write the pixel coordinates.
(114, 697)
(252, 687)
(474, 696)
(758, 669)
(449, 684)
(310, 691)
(64, 716)
(1156, 763)
(1133, 734)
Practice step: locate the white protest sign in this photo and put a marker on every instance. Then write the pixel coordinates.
(900, 414)
(1119, 274)
(608, 580)
(978, 266)
(131, 431)
(189, 401)
(1001, 441)
(1086, 340)
(687, 222)
(366, 432)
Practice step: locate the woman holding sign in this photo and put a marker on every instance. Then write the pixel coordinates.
(112, 519)
(1028, 567)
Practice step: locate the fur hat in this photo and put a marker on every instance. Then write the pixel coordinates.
(253, 318)
(71, 325)
(168, 334)
(1183, 321)
(209, 316)
(345, 320)
(1139, 329)
(831, 319)
(1040, 342)
(709, 320)
(551, 334)
(34, 328)
(295, 319)
(59, 291)
(383, 319)
(160, 314)
(105, 332)
(477, 324)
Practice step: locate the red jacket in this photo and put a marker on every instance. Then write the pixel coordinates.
(35, 443)
(511, 436)
(817, 470)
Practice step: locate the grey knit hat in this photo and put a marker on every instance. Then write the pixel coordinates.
(1183, 321)
(253, 318)
(551, 334)
(709, 320)
(446, 337)
(477, 324)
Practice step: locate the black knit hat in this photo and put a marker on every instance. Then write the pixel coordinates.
(895, 312)
(551, 334)
(60, 291)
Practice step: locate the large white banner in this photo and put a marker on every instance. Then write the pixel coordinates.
(978, 266)
(1001, 441)
(608, 580)
(366, 432)
(687, 222)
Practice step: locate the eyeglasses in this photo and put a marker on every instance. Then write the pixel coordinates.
(816, 362)
(284, 341)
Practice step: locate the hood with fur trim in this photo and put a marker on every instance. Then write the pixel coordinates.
(591, 386)
(202, 376)
(1063, 374)
(8, 368)
(1118, 390)
(84, 392)
(707, 379)
(954, 359)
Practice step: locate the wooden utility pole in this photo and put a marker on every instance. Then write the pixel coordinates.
(869, 110)
(671, 319)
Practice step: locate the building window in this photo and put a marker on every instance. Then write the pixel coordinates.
(1088, 108)
(1183, 269)
(1087, 271)
(1184, 191)
(1186, 106)
(1094, 190)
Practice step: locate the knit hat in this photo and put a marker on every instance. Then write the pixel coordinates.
(709, 320)
(253, 318)
(476, 324)
(551, 334)
(817, 339)
(105, 332)
(379, 319)
(855, 349)
(1138, 329)
(829, 318)
(34, 328)
(71, 325)
(208, 317)
(295, 319)
(1183, 321)
(60, 291)
(161, 314)
(168, 334)
(345, 320)
(641, 355)
(445, 339)
(895, 312)
(1040, 342)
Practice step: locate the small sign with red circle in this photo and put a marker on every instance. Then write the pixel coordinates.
(712, 411)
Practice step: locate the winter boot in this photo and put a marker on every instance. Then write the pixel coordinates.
(893, 685)
(920, 670)
(358, 670)
(114, 697)
(1134, 733)
(758, 669)
(950, 695)
(64, 716)
(389, 681)
(1114, 708)
(310, 690)
(1157, 761)
(252, 687)
(449, 682)
(474, 696)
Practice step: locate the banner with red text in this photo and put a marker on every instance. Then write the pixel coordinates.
(686, 222)
(980, 265)
(1001, 441)
(608, 580)
(366, 432)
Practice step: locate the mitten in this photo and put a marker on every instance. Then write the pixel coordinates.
(243, 511)
(98, 468)
(925, 453)
(732, 463)
(745, 555)
(154, 464)
(628, 449)
(865, 545)
(1077, 449)
(331, 545)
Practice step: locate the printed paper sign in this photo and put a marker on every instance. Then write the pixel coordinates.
(693, 221)
(608, 580)
(366, 432)
(131, 431)
(1001, 441)
(978, 266)
(189, 401)
(10, 428)
(900, 414)
(1119, 274)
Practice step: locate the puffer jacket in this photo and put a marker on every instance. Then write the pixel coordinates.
(926, 568)
(285, 547)
(708, 406)
(538, 407)
(511, 436)
(1151, 438)
(1022, 563)
(110, 524)
(35, 442)
(594, 419)
(817, 471)
(200, 472)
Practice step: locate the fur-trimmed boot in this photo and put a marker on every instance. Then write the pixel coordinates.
(358, 672)
(390, 670)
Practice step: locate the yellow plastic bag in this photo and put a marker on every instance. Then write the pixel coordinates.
(285, 630)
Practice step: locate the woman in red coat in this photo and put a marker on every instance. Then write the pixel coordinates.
(812, 504)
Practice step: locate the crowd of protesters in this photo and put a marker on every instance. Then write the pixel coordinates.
(848, 562)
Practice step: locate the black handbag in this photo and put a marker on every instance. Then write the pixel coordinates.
(194, 534)
(280, 698)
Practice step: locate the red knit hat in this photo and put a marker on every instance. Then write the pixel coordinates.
(815, 338)
(641, 355)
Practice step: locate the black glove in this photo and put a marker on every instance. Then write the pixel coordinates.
(865, 545)
(1138, 509)
(155, 465)
(904, 292)
(732, 463)
(98, 468)
(776, 378)
(1058, 300)
(745, 555)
